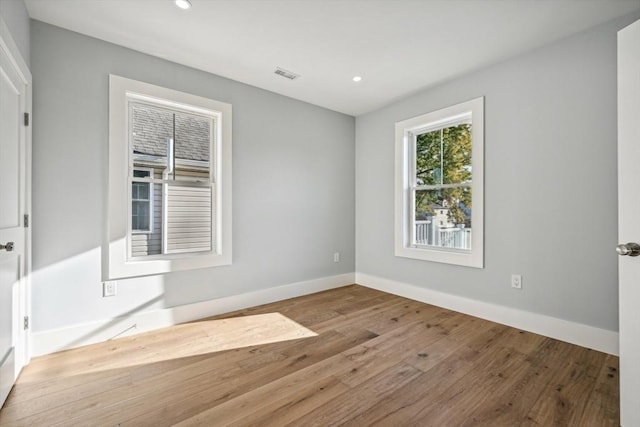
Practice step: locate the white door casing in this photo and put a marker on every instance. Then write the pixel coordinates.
(629, 220)
(15, 155)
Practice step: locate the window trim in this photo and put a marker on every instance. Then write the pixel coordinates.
(405, 132)
(116, 262)
(150, 203)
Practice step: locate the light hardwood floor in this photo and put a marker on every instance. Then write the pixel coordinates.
(377, 359)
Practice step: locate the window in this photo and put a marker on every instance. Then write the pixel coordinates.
(141, 202)
(439, 185)
(169, 204)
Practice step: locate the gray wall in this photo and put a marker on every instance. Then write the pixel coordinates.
(293, 184)
(14, 13)
(550, 182)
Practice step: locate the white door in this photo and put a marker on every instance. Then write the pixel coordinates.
(13, 205)
(629, 221)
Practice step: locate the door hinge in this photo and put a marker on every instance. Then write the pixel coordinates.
(26, 220)
(26, 322)
(26, 119)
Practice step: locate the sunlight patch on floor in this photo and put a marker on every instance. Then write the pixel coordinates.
(249, 331)
(175, 342)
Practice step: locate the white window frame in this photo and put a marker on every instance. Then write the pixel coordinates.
(150, 203)
(405, 134)
(116, 262)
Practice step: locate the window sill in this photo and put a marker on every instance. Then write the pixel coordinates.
(463, 258)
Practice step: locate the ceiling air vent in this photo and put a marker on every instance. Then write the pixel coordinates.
(284, 73)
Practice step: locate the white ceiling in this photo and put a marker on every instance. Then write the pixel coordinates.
(397, 46)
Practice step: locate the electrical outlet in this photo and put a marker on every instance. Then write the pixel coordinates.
(109, 289)
(336, 257)
(516, 281)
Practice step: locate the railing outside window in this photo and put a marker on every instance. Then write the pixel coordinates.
(428, 233)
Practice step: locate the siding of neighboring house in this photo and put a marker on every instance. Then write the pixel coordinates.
(189, 219)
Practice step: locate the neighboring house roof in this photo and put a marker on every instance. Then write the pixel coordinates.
(153, 126)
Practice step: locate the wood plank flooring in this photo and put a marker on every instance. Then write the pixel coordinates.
(377, 359)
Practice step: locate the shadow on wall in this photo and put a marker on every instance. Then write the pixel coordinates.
(124, 323)
(68, 304)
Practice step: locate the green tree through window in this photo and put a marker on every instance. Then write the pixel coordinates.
(443, 173)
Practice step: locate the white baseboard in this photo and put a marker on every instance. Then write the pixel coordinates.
(564, 330)
(46, 342)
(50, 341)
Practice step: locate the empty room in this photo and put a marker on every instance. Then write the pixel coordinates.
(319, 213)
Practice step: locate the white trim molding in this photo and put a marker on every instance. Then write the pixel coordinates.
(406, 186)
(564, 330)
(9, 46)
(116, 261)
(50, 341)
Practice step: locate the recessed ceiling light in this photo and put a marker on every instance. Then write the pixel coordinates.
(357, 79)
(183, 4)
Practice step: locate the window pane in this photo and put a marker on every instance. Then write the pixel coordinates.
(137, 173)
(443, 218)
(176, 216)
(443, 156)
(140, 191)
(140, 215)
(192, 146)
(188, 227)
(151, 128)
